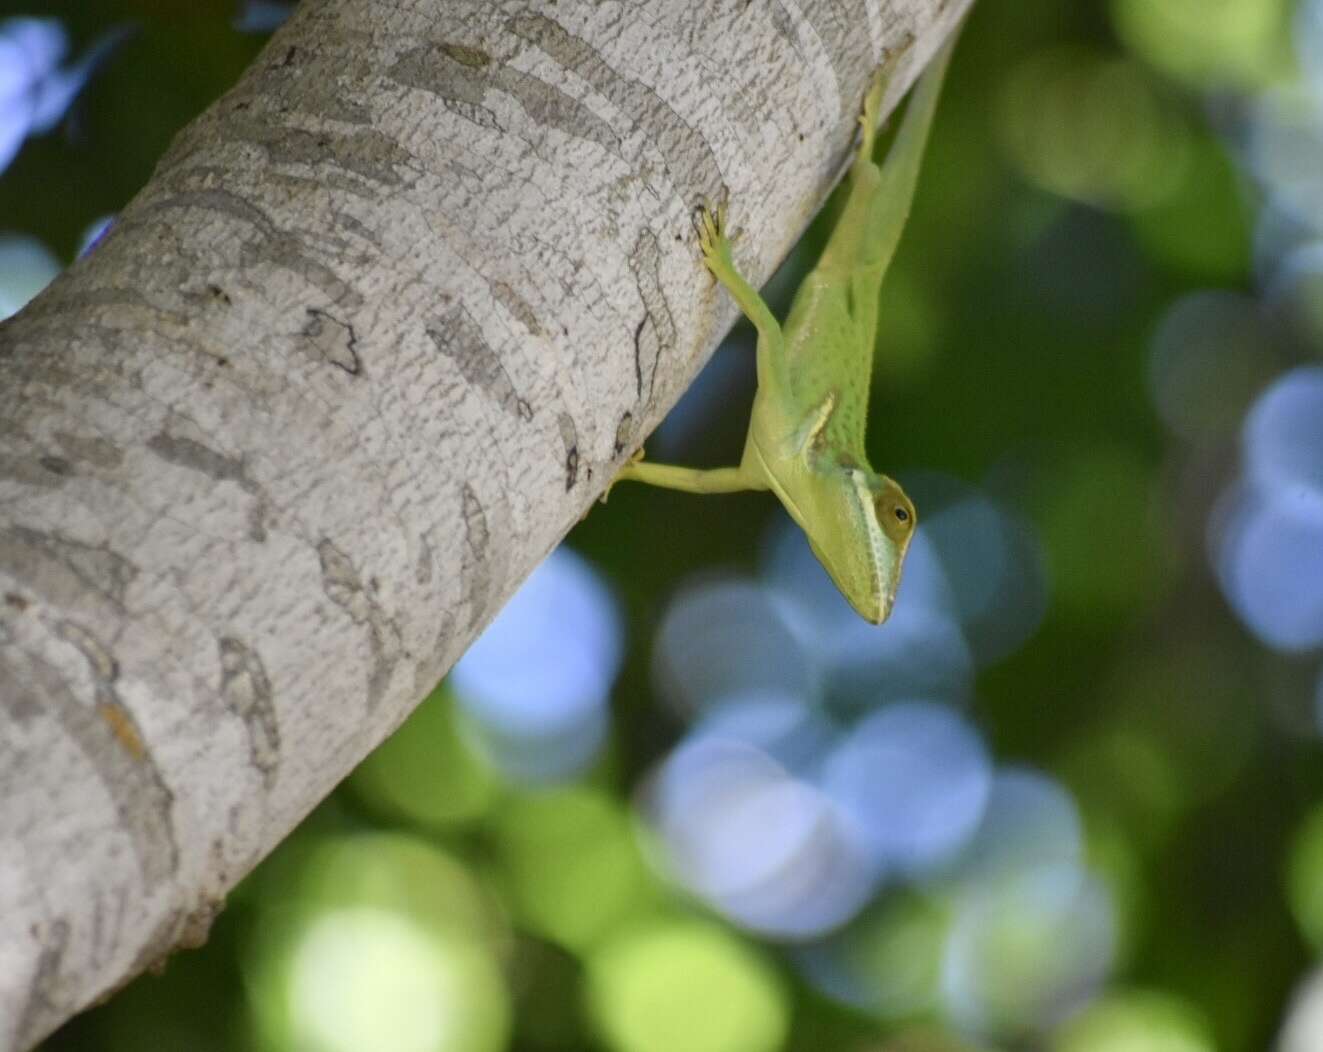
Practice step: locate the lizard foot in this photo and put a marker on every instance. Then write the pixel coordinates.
(714, 242)
(635, 459)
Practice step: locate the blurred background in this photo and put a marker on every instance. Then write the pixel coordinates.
(680, 799)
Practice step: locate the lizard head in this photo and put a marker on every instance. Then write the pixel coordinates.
(862, 536)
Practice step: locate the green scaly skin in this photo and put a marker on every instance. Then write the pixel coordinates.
(806, 431)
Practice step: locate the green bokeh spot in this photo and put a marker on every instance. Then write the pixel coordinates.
(896, 951)
(1209, 43)
(1114, 858)
(381, 941)
(345, 979)
(1125, 769)
(1304, 877)
(572, 864)
(395, 871)
(1092, 127)
(425, 773)
(1135, 1022)
(686, 985)
(1202, 230)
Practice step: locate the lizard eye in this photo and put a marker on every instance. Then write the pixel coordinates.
(902, 515)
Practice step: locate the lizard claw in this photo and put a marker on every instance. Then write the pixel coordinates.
(712, 237)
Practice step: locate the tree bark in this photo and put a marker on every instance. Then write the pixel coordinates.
(378, 331)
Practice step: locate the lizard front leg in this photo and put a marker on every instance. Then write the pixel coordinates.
(716, 247)
(691, 480)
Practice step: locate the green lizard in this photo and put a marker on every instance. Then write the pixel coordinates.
(806, 431)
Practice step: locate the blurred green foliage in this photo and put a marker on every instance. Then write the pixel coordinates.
(1075, 189)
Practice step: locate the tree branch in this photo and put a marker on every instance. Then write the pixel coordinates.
(380, 328)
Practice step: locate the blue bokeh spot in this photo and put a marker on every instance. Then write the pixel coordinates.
(914, 779)
(541, 674)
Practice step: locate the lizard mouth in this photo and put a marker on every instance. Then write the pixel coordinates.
(874, 610)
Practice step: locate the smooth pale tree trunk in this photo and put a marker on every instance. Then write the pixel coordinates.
(378, 331)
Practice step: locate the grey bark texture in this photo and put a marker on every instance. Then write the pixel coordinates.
(378, 331)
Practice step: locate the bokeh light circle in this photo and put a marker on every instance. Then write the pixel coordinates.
(666, 986)
(427, 772)
(765, 848)
(367, 978)
(1207, 43)
(888, 962)
(536, 683)
(1295, 287)
(913, 780)
(1091, 127)
(572, 863)
(1284, 432)
(26, 267)
(376, 940)
(787, 728)
(992, 559)
(720, 638)
(1309, 40)
(921, 651)
(1136, 1021)
(1025, 949)
(1302, 1030)
(1030, 820)
(1267, 549)
(1285, 142)
(1304, 877)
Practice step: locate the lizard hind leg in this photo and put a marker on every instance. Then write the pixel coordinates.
(877, 87)
(877, 90)
(865, 238)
